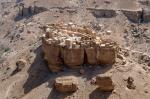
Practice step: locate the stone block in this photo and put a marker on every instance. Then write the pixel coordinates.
(73, 57)
(66, 84)
(133, 15)
(104, 82)
(106, 54)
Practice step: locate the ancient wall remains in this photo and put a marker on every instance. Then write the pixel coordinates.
(74, 46)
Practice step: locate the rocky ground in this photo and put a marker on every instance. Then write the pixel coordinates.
(24, 73)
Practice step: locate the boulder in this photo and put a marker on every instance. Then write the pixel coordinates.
(146, 15)
(21, 63)
(130, 83)
(66, 84)
(52, 53)
(91, 55)
(104, 82)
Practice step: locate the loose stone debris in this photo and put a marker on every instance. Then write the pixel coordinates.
(71, 45)
(66, 84)
(103, 13)
(21, 63)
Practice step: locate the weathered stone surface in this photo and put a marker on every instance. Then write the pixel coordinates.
(130, 83)
(91, 55)
(106, 54)
(146, 15)
(133, 15)
(52, 53)
(104, 13)
(66, 84)
(73, 58)
(104, 82)
(21, 63)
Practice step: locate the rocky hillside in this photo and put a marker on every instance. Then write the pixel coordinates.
(24, 73)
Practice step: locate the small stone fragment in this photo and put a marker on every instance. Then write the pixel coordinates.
(21, 63)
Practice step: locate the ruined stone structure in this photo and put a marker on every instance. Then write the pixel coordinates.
(74, 46)
(104, 82)
(66, 84)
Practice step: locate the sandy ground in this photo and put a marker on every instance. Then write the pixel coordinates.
(21, 38)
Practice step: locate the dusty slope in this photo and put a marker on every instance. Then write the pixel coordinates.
(20, 38)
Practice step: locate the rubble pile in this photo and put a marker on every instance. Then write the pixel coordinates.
(74, 45)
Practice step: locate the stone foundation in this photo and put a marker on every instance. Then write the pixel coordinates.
(133, 15)
(66, 84)
(104, 82)
(74, 46)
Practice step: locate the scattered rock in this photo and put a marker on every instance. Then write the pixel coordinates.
(66, 84)
(21, 63)
(93, 81)
(134, 16)
(104, 82)
(108, 32)
(104, 13)
(106, 54)
(123, 62)
(130, 83)
(120, 56)
(91, 55)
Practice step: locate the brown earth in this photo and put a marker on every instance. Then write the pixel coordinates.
(124, 21)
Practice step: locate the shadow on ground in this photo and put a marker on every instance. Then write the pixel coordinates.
(39, 74)
(96, 94)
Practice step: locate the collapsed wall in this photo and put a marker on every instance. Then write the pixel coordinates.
(74, 46)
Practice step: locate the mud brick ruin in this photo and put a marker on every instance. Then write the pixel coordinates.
(73, 46)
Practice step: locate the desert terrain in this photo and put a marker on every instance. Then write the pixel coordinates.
(127, 22)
